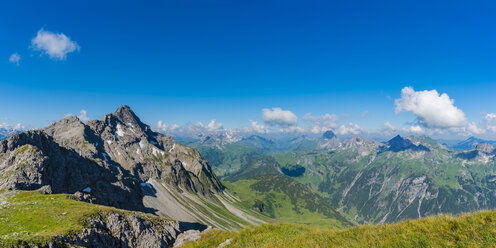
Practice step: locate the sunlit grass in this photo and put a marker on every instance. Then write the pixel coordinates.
(471, 230)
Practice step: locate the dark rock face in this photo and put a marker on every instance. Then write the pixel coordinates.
(329, 135)
(329, 140)
(102, 161)
(398, 144)
(119, 230)
(480, 150)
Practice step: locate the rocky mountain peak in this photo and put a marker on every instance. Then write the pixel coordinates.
(485, 148)
(125, 114)
(329, 140)
(108, 156)
(329, 135)
(399, 143)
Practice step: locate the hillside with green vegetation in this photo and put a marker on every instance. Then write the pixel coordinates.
(373, 182)
(230, 158)
(469, 230)
(261, 186)
(31, 218)
(370, 183)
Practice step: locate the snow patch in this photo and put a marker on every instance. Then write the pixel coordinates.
(120, 130)
(109, 142)
(173, 146)
(141, 144)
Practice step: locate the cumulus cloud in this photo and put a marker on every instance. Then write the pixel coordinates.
(161, 126)
(83, 115)
(15, 58)
(278, 116)
(487, 125)
(351, 128)
(432, 109)
(190, 129)
(489, 122)
(16, 127)
(388, 130)
(472, 128)
(416, 129)
(322, 123)
(292, 129)
(55, 45)
(213, 125)
(256, 128)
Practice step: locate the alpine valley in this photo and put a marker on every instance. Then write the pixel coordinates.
(115, 182)
(364, 180)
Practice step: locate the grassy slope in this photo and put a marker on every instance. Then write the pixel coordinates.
(332, 172)
(230, 158)
(471, 230)
(285, 200)
(32, 217)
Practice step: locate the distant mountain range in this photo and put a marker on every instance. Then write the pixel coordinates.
(466, 144)
(6, 132)
(124, 175)
(366, 180)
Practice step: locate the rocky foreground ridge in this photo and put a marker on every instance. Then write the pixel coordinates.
(119, 161)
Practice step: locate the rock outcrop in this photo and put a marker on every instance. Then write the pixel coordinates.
(329, 140)
(103, 161)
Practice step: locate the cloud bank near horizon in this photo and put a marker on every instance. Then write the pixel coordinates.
(435, 114)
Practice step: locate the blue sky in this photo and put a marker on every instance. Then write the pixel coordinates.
(193, 61)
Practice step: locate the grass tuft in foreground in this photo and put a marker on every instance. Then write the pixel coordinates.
(30, 217)
(470, 230)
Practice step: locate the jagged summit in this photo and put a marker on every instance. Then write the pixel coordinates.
(485, 148)
(329, 135)
(108, 156)
(329, 140)
(125, 115)
(399, 143)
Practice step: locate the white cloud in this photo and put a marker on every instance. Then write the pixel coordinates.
(432, 109)
(490, 122)
(190, 129)
(389, 126)
(351, 128)
(56, 46)
(278, 116)
(16, 127)
(161, 126)
(15, 58)
(322, 123)
(388, 130)
(292, 129)
(416, 129)
(213, 125)
(83, 116)
(257, 128)
(19, 126)
(474, 129)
